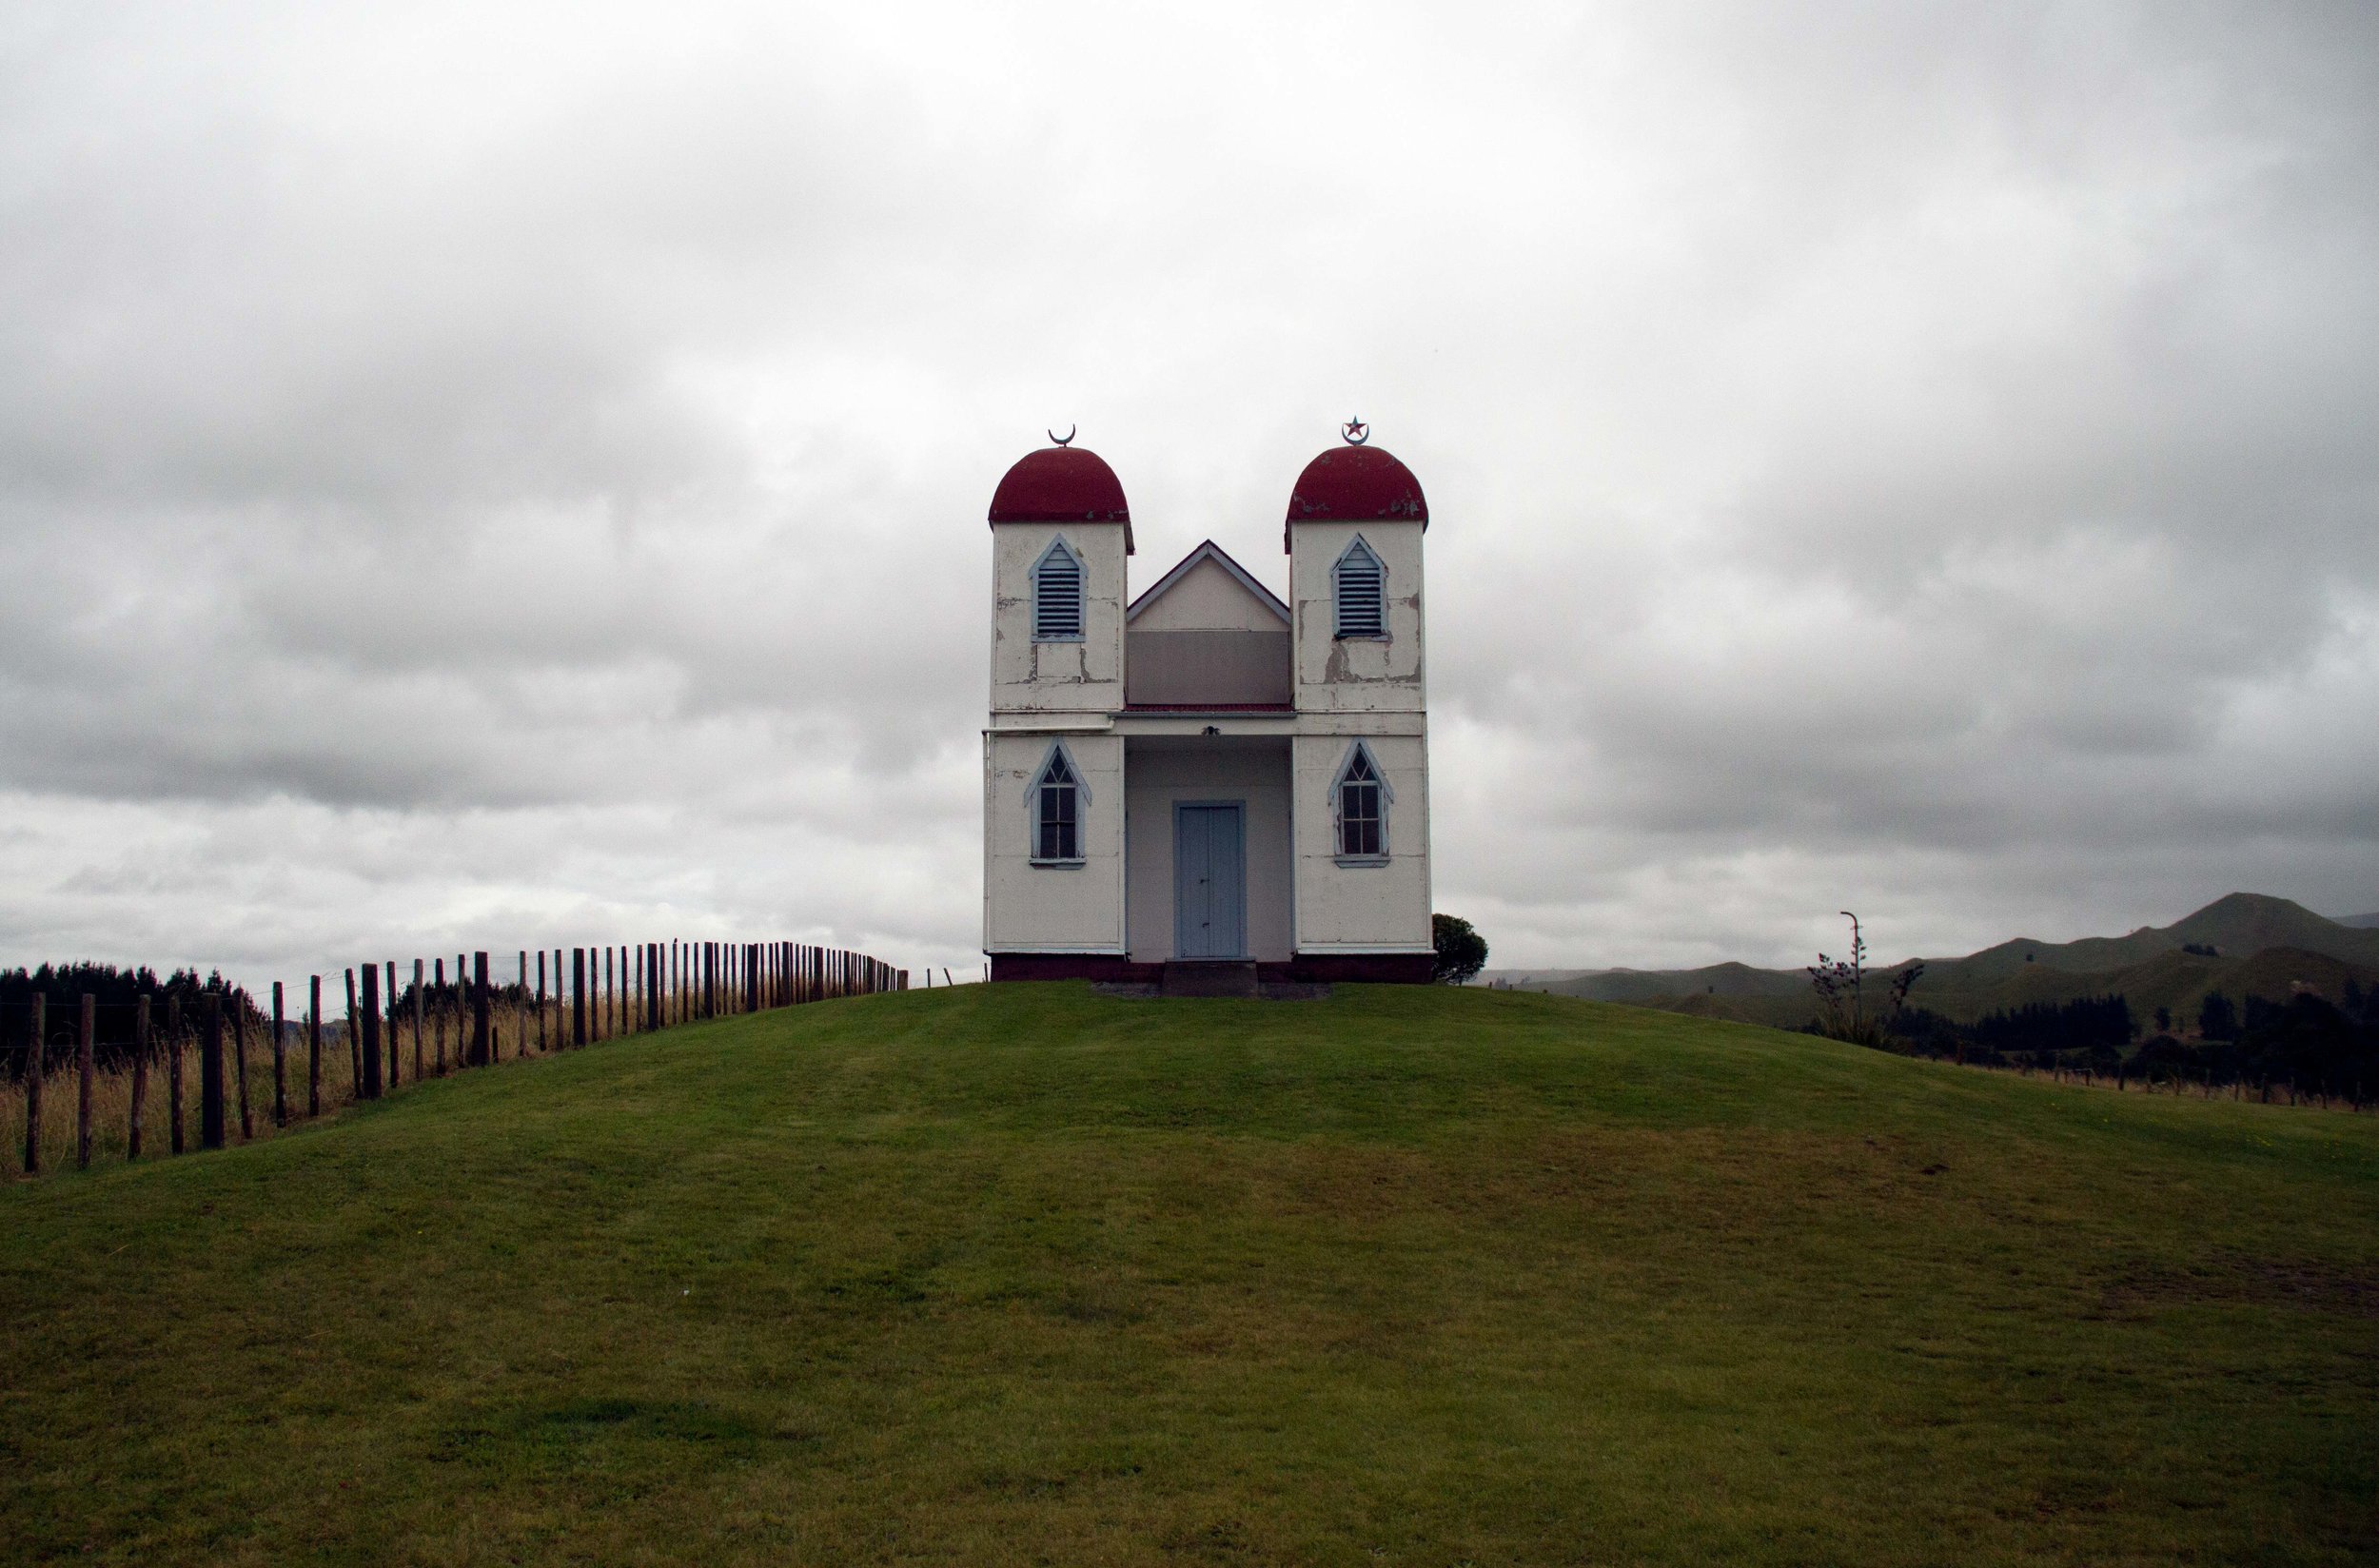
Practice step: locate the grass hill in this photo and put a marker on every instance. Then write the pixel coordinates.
(1022, 1274)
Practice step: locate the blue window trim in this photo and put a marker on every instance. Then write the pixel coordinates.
(1082, 579)
(1337, 630)
(1057, 751)
(1388, 799)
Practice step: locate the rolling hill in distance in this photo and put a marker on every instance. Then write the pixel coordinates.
(2260, 946)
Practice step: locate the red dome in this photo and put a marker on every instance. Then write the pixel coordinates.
(1357, 484)
(1061, 485)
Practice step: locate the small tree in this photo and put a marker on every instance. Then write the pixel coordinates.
(1841, 988)
(1462, 953)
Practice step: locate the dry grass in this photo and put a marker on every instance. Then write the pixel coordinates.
(441, 1039)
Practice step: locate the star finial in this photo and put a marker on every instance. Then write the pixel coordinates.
(1356, 432)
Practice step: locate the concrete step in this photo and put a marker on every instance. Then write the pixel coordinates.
(1209, 977)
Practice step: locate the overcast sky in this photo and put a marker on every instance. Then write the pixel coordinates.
(497, 476)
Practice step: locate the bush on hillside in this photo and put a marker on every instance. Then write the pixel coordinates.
(1462, 953)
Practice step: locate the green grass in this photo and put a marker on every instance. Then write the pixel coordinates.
(1020, 1274)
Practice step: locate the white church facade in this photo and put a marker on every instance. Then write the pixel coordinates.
(1207, 780)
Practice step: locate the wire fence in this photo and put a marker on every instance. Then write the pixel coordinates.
(92, 1072)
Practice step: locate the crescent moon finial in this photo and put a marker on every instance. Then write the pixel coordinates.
(1356, 432)
(1067, 438)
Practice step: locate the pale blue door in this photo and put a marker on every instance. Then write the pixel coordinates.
(1209, 882)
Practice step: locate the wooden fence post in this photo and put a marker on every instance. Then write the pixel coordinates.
(440, 971)
(239, 1062)
(370, 1090)
(34, 1056)
(483, 1052)
(173, 1066)
(520, 1008)
(86, 1073)
(314, 1046)
(420, 1007)
(355, 1041)
(606, 1017)
(280, 1062)
(140, 1077)
(211, 1074)
(540, 1001)
(578, 997)
(388, 1030)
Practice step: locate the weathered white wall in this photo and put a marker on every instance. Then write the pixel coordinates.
(1052, 909)
(1206, 598)
(1360, 675)
(1159, 774)
(1362, 908)
(1054, 677)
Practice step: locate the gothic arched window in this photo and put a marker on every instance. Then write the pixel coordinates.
(1359, 584)
(1056, 799)
(1359, 800)
(1057, 595)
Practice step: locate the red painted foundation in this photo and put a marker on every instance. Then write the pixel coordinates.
(1391, 968)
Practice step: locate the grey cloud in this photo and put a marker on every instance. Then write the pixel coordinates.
(476, 473)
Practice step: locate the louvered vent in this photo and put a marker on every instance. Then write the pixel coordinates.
(1362, 593)
(1057, 597)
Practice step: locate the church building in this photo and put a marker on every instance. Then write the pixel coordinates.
(1207, 785)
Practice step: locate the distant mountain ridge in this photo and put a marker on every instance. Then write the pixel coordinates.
(2235, 925)
(2248, 933)
(2371, 919)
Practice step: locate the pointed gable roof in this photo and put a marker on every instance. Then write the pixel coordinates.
(1208, 551)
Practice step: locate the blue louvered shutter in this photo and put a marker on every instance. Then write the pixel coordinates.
(1057, 596)
(1362, 594)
